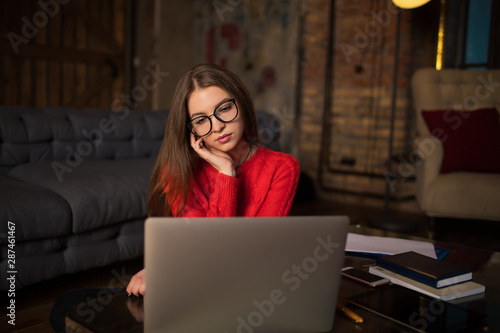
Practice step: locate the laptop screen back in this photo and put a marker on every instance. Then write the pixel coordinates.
(272, 274)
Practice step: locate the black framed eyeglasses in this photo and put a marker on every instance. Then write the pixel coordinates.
(226, 111)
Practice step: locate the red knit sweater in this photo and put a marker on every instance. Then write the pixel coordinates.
(264, 185)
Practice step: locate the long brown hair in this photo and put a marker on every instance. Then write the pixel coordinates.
(173, 173)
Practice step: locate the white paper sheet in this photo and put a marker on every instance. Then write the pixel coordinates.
(387, 245)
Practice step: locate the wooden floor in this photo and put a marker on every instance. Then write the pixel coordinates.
(33, 303)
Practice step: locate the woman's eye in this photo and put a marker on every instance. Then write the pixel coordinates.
(200, 121)
(224, 108)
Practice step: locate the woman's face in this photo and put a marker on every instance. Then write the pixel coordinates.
(223, 136)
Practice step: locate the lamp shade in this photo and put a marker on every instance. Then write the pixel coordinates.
(409, 4)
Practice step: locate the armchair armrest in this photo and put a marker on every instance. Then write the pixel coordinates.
(430, 151)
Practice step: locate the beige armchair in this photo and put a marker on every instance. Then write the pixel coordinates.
(458, 194)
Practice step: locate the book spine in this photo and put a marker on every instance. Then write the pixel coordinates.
(404, 284)
(409, 273)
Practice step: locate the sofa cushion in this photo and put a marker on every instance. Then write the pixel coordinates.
(36, 212)
(30, 135)
(47, 258)
(99, 192)
(471, 139)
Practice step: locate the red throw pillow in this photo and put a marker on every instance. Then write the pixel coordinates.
(471, 139)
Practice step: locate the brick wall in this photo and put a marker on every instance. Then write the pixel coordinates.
(360, 99)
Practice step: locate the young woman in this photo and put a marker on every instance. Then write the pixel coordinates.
(211, 163)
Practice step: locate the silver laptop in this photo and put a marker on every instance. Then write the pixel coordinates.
(243, 275)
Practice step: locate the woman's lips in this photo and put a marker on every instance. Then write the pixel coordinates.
(223, 138)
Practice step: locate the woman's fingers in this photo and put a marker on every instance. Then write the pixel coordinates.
(198, 145)
(193, 142)
(137, 285)
(217, 158)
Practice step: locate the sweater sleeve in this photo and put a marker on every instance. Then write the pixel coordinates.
(282, 192)
(221, 202)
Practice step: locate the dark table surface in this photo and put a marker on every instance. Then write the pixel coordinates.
(126, 314)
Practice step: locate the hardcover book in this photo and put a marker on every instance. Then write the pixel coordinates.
(430, 271)
(455, 291)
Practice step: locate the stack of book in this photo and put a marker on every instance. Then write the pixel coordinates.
(427, 275)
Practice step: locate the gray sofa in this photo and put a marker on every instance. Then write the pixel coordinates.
(74, 186)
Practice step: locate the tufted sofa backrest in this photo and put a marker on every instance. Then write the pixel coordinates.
(30, 135)
(453, 89)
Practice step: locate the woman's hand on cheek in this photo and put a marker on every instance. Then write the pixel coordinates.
(218, 159)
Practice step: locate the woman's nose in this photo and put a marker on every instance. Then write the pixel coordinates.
(217, 125)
